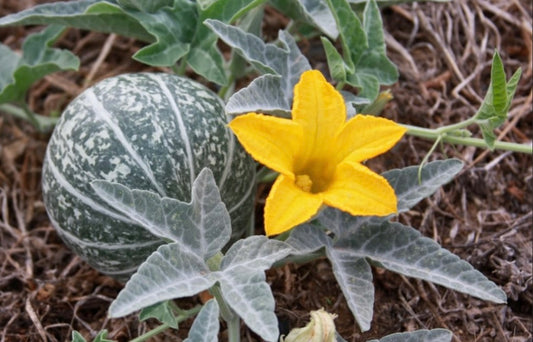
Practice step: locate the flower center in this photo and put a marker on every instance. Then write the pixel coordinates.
(304, 182)
(316, 177)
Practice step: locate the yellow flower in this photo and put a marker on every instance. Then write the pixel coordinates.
(318, 155)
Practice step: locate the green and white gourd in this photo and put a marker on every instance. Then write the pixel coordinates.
(146, 131)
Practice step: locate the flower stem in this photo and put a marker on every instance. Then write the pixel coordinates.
(443, 135)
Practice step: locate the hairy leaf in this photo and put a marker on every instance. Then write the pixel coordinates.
(315, 12)
(286, 61)
(38, 59)
(263, 95)
(243, 285)
(404, 250)
(435, 335)
(354, 277)
(202, 226)
(205, 326)
(170, 272)
(410, 190)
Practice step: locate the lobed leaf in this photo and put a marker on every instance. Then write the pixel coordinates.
(243, 285)
(38, 59)
(170, 272)
(202, 227)
(162, 312)
(410, 190)
(286, 61)
(206, 325)
(404, 250)
(435, 335)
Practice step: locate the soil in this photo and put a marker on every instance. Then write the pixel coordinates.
(443, 52)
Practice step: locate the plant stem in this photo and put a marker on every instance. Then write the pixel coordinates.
(151, 333)
(442, 134)
(233, 321)
(42, 123)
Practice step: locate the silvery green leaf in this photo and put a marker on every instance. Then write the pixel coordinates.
(202, 226)
(162, 312)
(307, 238)
(263, 95)
(206, 325)
(267, 58)
(354, 276)
(243, 285)
(170, 272)
(286, 61)
(353, 103)
(404, 250)
(410, 190)
(435, 335)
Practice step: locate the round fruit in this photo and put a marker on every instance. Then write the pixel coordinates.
(146, 131)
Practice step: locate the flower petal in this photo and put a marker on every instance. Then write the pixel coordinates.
(321, 112)
(366, 136)
(359, 191)
(270, 140)
(288, 206)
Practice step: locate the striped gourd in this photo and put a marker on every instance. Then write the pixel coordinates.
(146, 131)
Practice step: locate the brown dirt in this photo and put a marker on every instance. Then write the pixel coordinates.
(485, 215)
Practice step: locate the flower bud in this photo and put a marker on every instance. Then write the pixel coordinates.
(320, 329)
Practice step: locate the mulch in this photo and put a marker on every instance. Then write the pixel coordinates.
(443, 52)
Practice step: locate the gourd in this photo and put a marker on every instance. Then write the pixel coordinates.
(146, 131)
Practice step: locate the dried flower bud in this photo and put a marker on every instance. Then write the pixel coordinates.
(320, 329)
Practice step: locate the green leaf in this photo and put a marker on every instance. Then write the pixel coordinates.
(168, 25)
(315, 12)
(38, 60)
(205, 326)
(202, 226)
(168, 273)
(162, 312)
(404, 250)
(435, 335)
(409, 190)
(101, 337)
(172, 28)
(286, 61)
(366, 62)
(243, 285)
(144, 5)
(93, 15)
(493, 111)
(336, 65)
(77, 337)
(205, 57)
